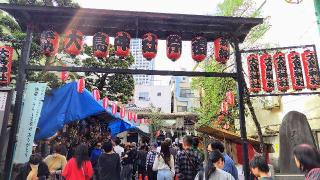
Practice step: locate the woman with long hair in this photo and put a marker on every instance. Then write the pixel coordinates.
(164, 163)
(79, 167)
(214, 168)
(307, 159)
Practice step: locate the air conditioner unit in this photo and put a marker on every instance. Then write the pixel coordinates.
(271, 103)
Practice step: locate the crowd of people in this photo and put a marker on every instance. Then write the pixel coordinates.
(93, 154)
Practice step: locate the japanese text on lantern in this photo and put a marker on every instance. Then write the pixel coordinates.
(295, 67)
(266, 72)
(311, 69)
(281, 71)
(5, 64)
(254, 74)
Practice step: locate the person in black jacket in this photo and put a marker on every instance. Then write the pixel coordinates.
(108, 163)
(35, 160)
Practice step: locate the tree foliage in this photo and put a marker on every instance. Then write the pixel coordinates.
(214, 89)
(118, 87)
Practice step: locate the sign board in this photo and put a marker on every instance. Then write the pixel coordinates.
(32, 105)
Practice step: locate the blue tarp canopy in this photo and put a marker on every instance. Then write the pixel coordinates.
(65, 105)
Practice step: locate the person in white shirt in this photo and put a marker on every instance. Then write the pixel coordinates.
(118, 149)
(214, 168)
(164, 163)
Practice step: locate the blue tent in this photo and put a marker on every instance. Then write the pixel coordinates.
(65, 105)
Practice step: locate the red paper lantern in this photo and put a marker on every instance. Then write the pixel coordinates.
(141, 120)
(221, 50)
(281, 71)
(174, 47)
(149, 45)
(311, 69)
(230, 98)
(253, 72)
(130, 116)
(80, 85)
(105, 102)
(122, 112)
(64, 76)
(224, 107)
(199, 48)
(114, 108)
(295, 67)
(100, 45)
(122, 44)
(96, 94)
(220, 118)
(49, 43)
(73, 42)
(6, 53)
(266, 72)
(135, 118)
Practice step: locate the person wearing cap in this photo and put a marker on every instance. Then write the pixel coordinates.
(152, 175)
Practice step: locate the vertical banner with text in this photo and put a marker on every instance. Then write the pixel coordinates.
(32, 105)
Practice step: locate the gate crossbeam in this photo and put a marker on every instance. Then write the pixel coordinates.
(130, 71)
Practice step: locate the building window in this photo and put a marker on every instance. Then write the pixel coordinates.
(144, 96)
(182, 108)
(186, 93)
(159, 94)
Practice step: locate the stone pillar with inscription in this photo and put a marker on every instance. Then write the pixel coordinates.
(294, 130)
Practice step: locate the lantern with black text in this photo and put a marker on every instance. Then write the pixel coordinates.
(122, 44)
(49, 43)
(96, 94)
(295, 67)
(311, 69)
(281, 71)
(221, 50)
(73, 42)
(100, 45)
(253, 72)
(149, 46)
(174, 47)
(230, 98)
(80, 85)
(105, 102)
(199, 48)
(122, 112)
(266, 72)
(114, 108)
(6, 53)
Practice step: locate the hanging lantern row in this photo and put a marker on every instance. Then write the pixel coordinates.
(80, 85)
(310, 70)
(6, 53)
(73, 45)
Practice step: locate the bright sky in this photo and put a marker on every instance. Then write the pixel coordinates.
(291, 24)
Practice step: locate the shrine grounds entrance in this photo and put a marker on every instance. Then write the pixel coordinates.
(34, 19)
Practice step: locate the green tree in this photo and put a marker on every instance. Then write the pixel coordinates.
(214, 89)
(117, 87)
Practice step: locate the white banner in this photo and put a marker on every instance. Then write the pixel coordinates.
(31, 109)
